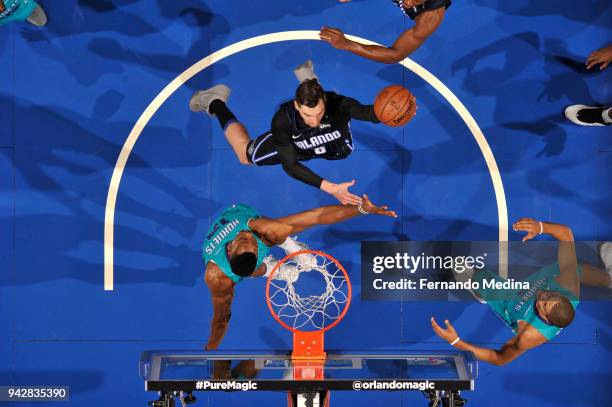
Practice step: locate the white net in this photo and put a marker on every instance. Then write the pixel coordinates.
(309, 292)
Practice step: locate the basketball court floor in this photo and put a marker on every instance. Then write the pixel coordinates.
(108, 182)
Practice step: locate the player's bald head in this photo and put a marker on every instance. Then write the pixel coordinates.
(555, 308)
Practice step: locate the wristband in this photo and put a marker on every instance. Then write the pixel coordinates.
(361, 210)
(541, 227)
(455, 341)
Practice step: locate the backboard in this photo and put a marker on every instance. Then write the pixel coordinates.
(437, 373)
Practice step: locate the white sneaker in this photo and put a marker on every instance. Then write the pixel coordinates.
(37, 17)
(605, 251)
(201, 100)
(583, 115)
(305, 71)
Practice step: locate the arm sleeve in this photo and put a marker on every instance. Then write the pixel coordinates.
(355, 110)
(281, 134)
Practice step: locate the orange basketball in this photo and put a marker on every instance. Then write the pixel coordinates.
(395, 106)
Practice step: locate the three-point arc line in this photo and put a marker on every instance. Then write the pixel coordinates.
(126, 150)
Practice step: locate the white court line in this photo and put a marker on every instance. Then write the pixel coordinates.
(113, 189)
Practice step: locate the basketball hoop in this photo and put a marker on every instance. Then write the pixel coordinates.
(308, 315)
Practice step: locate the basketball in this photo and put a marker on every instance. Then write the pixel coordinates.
(395, 106)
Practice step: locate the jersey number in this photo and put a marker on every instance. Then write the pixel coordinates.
(320, 150)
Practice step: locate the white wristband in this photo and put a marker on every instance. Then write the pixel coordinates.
(361, 210)
(541, 227)
(455, 341)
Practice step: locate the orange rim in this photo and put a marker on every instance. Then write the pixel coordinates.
(337, 263)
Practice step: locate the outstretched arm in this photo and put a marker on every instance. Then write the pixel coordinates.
(526, 339)
(406, 44)
(355, 110)
(568, 263)
(276, 231)
(327, 215)
(289, 160)
(221, 290)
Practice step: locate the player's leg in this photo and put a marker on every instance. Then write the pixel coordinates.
(238, 137)
(595, 277)
(213, 101)
(262, 151)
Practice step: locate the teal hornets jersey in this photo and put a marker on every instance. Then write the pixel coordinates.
(223, 230)
(520, 304)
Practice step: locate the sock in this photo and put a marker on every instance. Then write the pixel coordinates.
(221, 111)
(607, 115)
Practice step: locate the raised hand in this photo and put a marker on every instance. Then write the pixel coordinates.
(342, 194)
(601, 56)
(383, 210)
(335, 37)
(531, 226)
(449, 334)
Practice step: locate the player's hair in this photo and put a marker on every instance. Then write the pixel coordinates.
(309, 93)
(562, 313)
(243, 264)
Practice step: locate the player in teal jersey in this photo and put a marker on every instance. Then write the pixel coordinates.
(22, 10)
(536, 315)
(239, 240)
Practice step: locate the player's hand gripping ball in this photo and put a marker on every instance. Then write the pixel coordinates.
(395, 106)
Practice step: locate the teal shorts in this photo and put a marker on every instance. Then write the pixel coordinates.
(17, 10)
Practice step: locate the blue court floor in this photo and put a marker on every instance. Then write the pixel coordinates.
(75, 93)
